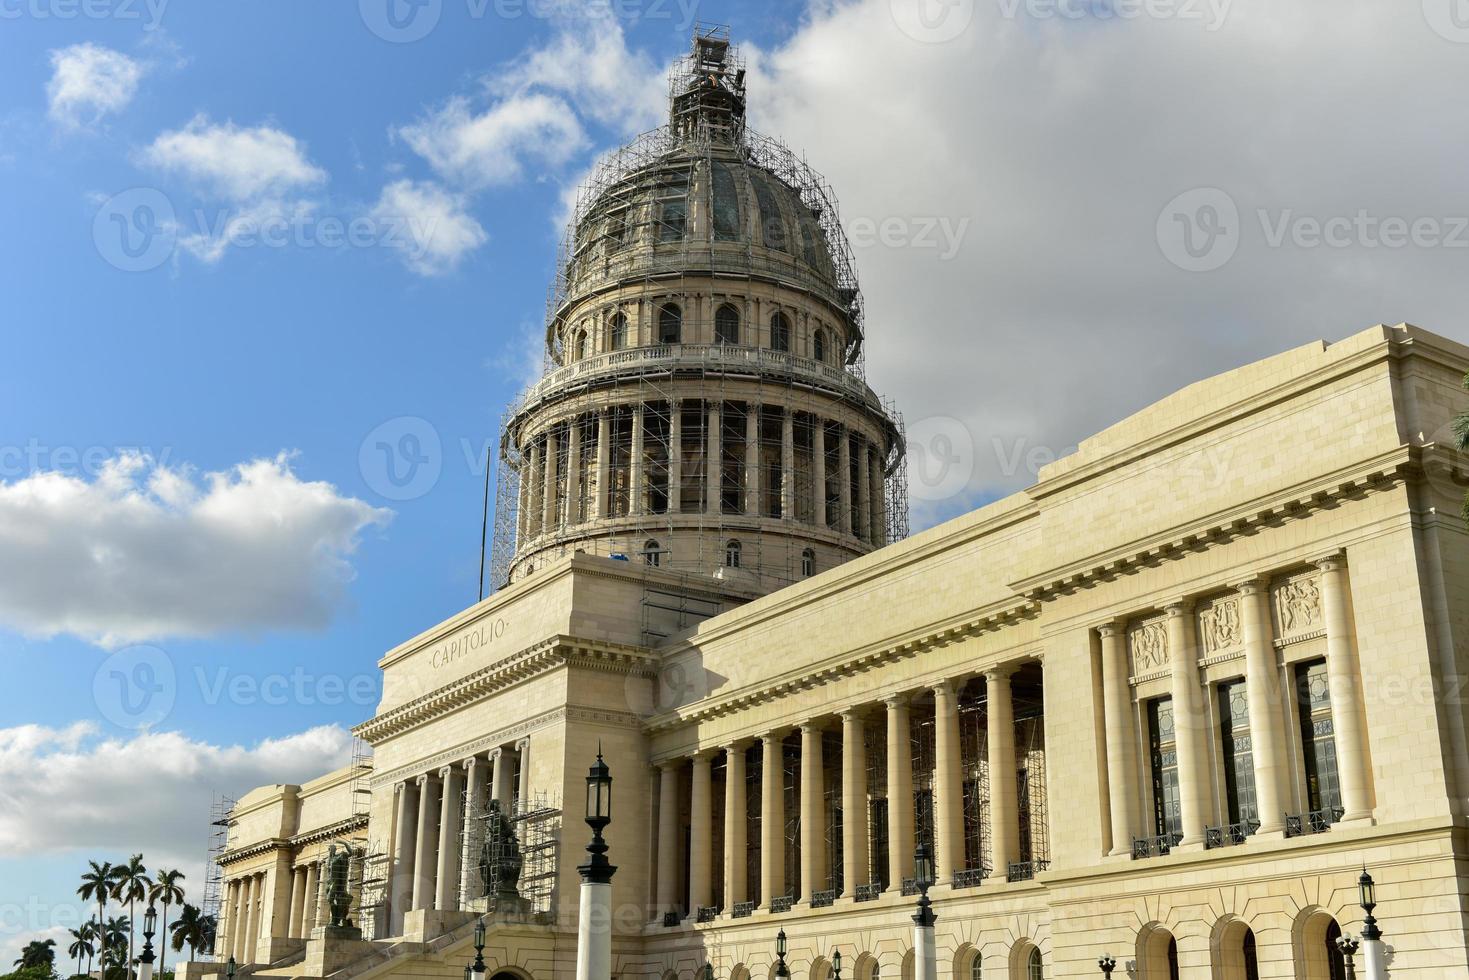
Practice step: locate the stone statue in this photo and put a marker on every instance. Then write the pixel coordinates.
(338, 895)
(500, 860)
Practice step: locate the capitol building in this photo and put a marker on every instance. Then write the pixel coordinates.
(1163, 705)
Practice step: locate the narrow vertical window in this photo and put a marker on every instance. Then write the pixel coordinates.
(672, 219)
(618, 332)
(780, 332)
(1163, 755)
(1239, 767)
(1035, 969)
(818, 346)
(726, 205)
(727, 325)
(652, 553)
(732, 554)
(808, 563)
(772, 222)
(670, 324)
(1318, 737)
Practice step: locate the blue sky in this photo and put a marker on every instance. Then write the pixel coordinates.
(194, 503)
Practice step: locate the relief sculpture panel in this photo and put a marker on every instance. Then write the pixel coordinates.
(1148, 643)
(1297, 606)
(1219, 628)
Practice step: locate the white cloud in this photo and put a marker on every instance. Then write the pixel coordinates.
(238, 163)
(478, 149)
(1061, 141)
(428, 224)
(88, 82)
(146, 551)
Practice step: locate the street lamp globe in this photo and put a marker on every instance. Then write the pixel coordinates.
(599, 793)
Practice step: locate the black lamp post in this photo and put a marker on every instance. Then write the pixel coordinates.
(923, 877)
(708, 972)
(597, 870)
(836, 965)
(1348, 947)
(229, 969)
(145, 960)
(1367, 893)
(479, 949)
(1107, 964)
(781, 970)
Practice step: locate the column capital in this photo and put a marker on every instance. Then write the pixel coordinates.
(398, 787)
(669, 765)
(1252, 585)
(1178, 607)
(902, 699)
(422, 780)
(853, 713)
(1334, 562)
(812, 725)
(446, 772)
(494, 754)
(736, 746)
(522, 744)
(999, 673)
(471, 762)
(1112, 627)
(945, 687)
(705, 756)
(776, 734)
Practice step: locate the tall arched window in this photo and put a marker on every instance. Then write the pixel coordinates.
(772, 222)
(1335, 962)
(818, 345)
(652, 553)
(671, 221)
(1034, 969)
(732, 554)
(581, 345)
(618, 332)
(808, 563)
(976, 969)
(780, 332)
(726, 204)
(670, 324)
(727, 325)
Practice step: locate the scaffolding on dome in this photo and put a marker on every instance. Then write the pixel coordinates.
(627, 232)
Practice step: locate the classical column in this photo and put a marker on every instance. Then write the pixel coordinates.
(573, 473)
(537, 482)
(948, 784)
(425, 852)
(668, 845)
(772, 820)
(451, 809)
(548, 485)
(405, 850)
(522, 751)
(844, 480)
(1267, 708)
(788, 464)
(854, 804)
(701, 822)
(752, 459)
(1122, 785)
(713, 470)
(900, 793)
(1345, 681)
(503, 766)
(637, 491)
(225, 941)
(818, 470)
(250, 935)
(522, 513)
(313, 889)
(604, 462)
(735, 825)
(1004, 813)
(476, 786)
(864, 492)
(323, 910)
(1188, 722)
(813, 813)
(675, 456)
(298, 903)
(879, 505)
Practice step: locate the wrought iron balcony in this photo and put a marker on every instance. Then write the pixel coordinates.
(869, 891)
(1147, 847)
(970, 877)
(671, 920)
(1025, 870)
(706, 913)
(1312, 822)
(743, 910)
(782, 904)
(1229, 834)
(910, 886)
(824, 899)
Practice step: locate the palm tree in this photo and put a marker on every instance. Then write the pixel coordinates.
(81, 945)
(97, 883)
(165, 889)
(132, 887)
(37, 952)
(188, 930)
(208, 926)
(115, 942)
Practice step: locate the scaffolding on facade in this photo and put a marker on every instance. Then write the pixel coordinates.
(369, 870)
(212, 901)
(627, 231)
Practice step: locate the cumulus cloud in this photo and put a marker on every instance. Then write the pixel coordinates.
(147, 551)
(89, 82)
(430, 226)
(237, 162)
(479, 149)
(1061, 141)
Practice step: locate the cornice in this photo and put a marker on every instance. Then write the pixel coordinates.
(253, 850)
(539, 658)
(330, 830)
(1372, 476)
